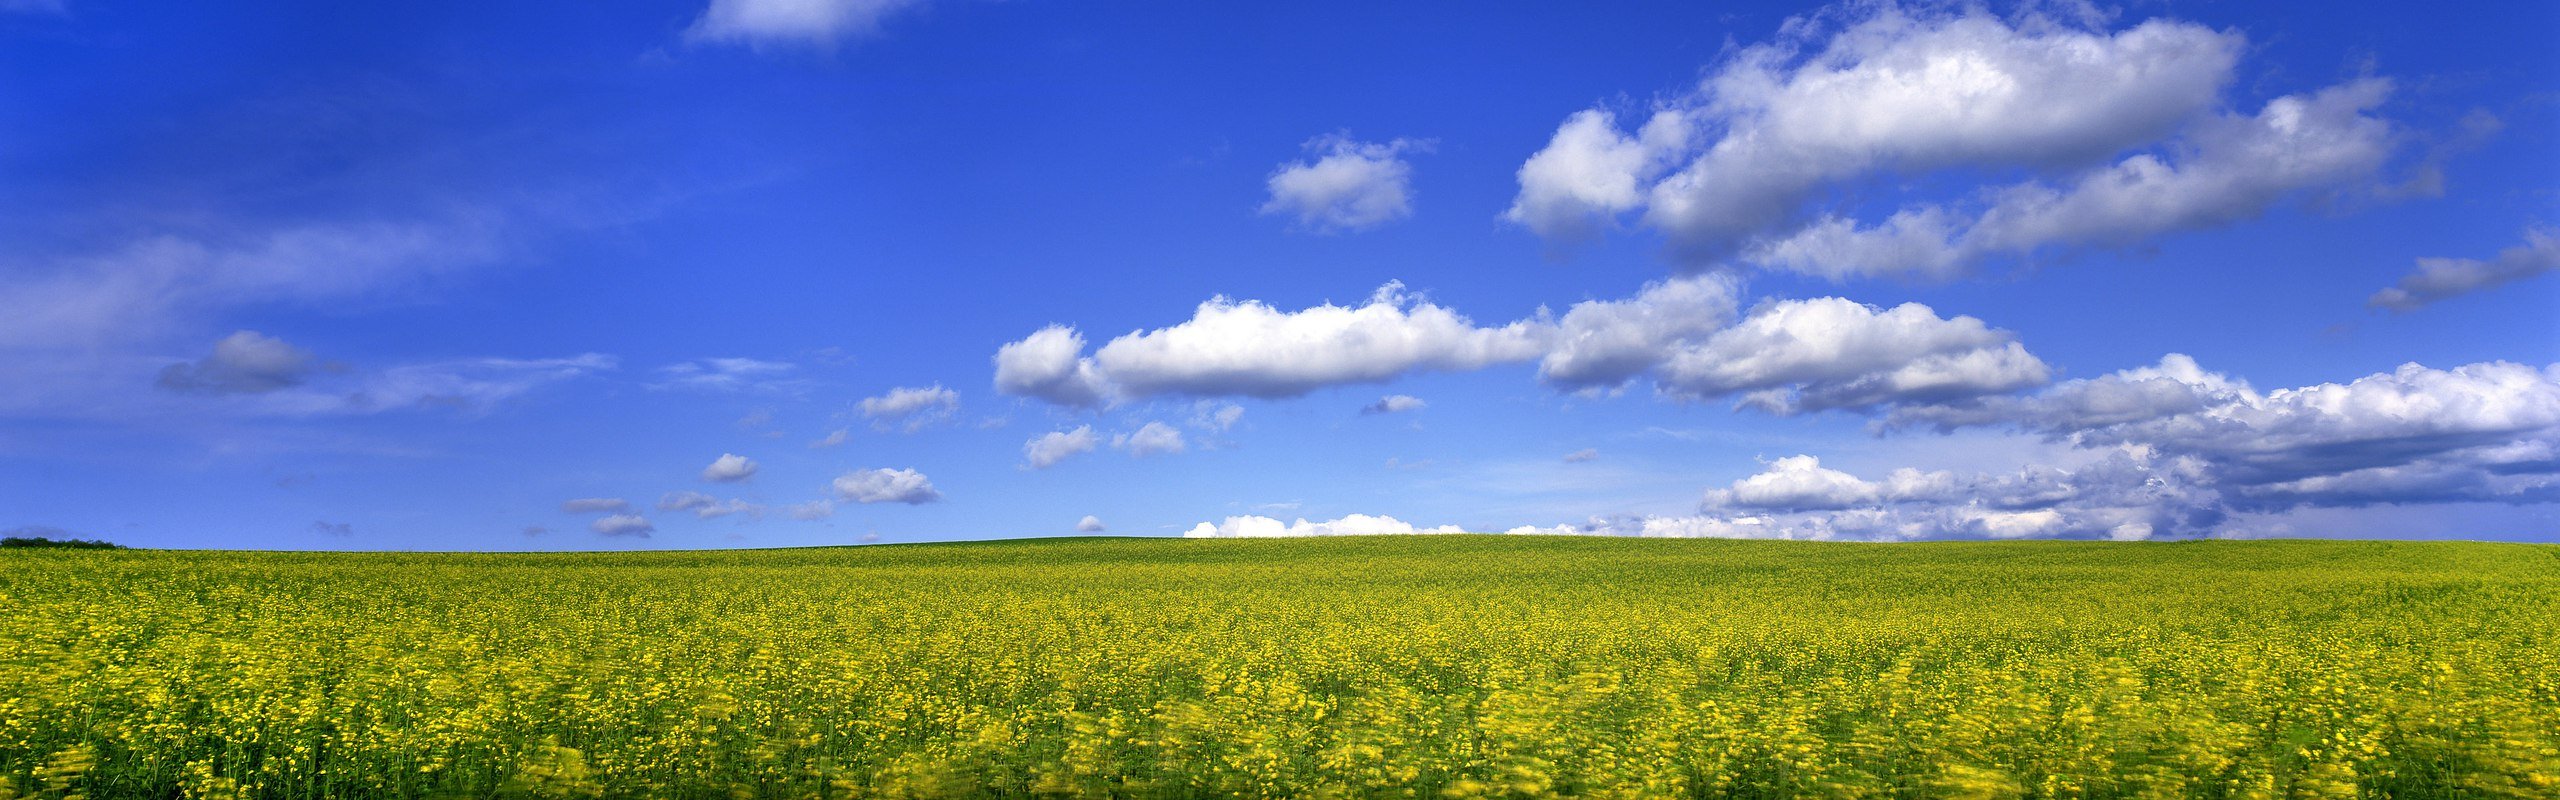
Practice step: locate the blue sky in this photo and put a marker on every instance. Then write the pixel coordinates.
(346, 276)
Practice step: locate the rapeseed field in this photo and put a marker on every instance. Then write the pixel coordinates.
(1436, 667)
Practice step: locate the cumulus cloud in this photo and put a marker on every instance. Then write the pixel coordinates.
(1740, 165)
(1589, 172)
(834, 438)
(1784, 357)
(1583, 455)
(592, 505)
(1600, 344)
(623, 525)
(2125, 494)
(2478, 432)
(1349, 185)
(2440, 278)
(1050, 365)
(1046, 450)
(1247, 348)
(1394, 404)
(1825, 353)
(911, 408)
(2230, 169)
(886, 486)
(245, 361)
(1257, 527)
(808, 22)
(1090, 524)
(1154, 438)
(729, 468)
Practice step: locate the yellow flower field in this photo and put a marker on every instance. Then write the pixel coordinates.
(1458, 666)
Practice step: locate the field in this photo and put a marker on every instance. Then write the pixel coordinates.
(1467, 666)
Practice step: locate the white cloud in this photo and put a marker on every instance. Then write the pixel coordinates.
(1590, 173)
(1046, 450)
(1877, 92)
(623, 525)
(245, 361)
(814, 22)
(2478, 432)
(1600, 344)
(706, 506)
(911, 408)
(1154, 438)
(729, 468)
(1090, 524)
(1796, 483)
(1394, 404)
(591, 505)
(1785, 357)
(1350, 185)
(1247, 348)
(1255, 527)
(834, 438)
(1050, 365)
(1825, 353)
(2229, 169)
(1216, 417)
(1583, 455)
(2440, 278)
(886, 486)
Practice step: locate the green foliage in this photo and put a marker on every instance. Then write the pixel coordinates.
(75, 544)
(1443, 667)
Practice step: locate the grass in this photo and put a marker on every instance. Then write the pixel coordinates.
(1377, 666)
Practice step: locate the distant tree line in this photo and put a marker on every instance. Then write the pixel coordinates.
(40, 541)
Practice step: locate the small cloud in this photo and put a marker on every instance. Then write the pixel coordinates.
(593, 505)
(1216, 417)
(911, 408)
(812, 510)
(1352, 525)
(807, 22)
(886, 486)
(1048, 449)
(729, 468)
(535, 530)
(706, 506)
(2440, 278)
(1394, 404)
(1582, 455)
(1090, 524)
(245, 362)
(325, 528)
(1152, 439)
(1351, 185)
(623, 525)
